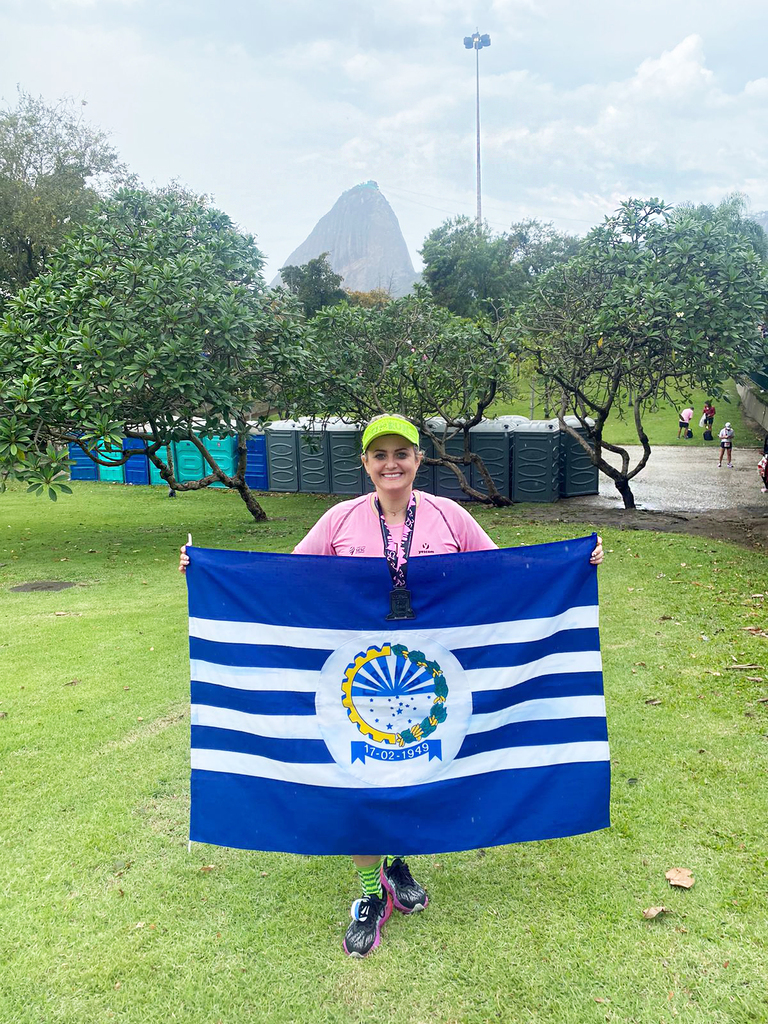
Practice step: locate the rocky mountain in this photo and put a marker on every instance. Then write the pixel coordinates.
(761, 219)
(362, 236)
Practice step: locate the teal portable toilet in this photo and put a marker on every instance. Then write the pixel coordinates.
(224, 451)
(536, 461)
(578, 474)
(283, 455)
(344, 450)
(446, 482)
(115, 473)
(490, 440)
(154, 472)
(314, 467)
(189, 461)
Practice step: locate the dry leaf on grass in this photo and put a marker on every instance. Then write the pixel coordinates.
(742, 668)
(652, 912)
(653, 701)
(681, 877)
(208, 867)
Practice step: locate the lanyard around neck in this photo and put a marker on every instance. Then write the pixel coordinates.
(398, 567)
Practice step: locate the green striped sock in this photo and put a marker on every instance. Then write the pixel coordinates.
(370, 879)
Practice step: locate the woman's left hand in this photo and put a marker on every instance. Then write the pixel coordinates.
(597, 555)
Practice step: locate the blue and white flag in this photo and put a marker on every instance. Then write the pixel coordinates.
(319, 727)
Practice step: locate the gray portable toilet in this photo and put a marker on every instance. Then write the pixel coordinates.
(490, 439)
(344, 449)
(536, 461)
(283, 455)
(314, 467)
(578, 474)
(446, 483)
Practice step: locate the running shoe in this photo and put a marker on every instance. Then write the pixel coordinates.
(364, 934)
(407, 895)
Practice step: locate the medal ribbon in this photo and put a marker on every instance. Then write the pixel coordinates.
(397, 554)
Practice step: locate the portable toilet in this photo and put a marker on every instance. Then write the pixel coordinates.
(446, 481)
(137, 467)
(344, 450)
(490, 439)
(189, 462)
(256, 472)
(536, 461)
(223, 448)
(578, 474)
(314, 467)
(154, 472)
(116, 472)
(84, 468)
(283, 455)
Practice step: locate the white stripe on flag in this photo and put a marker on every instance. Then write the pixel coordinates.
(334, 776)
(478, 679)
(547, 709)
(453, 638)
(305, 727)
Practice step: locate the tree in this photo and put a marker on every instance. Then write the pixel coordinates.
(657, 301)
(473, 272)
(417, 359)
(314, 284)
(52, 165)
(375, 298)
(151, 322)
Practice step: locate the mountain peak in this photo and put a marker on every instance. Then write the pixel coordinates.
(362, 237)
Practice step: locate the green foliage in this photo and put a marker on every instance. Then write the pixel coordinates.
(415, 358)
(474, 272)
(52, 165)
(314, 284)
(151, 322)
(657, 302)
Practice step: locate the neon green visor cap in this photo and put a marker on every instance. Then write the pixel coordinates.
(390, 425)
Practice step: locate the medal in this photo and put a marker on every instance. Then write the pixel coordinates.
(400, 604)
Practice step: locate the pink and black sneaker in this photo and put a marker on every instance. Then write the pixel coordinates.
(368, 915)
(407, 895)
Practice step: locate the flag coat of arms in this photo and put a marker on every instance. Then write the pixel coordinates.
(320, 727)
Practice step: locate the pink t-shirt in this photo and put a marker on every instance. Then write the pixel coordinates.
(353, 528)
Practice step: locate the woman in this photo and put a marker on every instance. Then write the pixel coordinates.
(395, 521)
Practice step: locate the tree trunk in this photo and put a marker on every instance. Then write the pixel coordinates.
(622, 486)
(251, 503)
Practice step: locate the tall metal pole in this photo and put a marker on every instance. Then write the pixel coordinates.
(477, 83)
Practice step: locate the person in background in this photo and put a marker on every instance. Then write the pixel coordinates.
(708, 414)
(762, 469)
(684, 421)
(726, 444)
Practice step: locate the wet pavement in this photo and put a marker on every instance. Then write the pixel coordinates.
(678, 479)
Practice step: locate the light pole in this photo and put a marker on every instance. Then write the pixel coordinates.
(476, 42)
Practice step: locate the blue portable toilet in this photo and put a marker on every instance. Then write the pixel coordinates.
(256, 468)
(114, 473)
(536, 461)
(578, 474)
(283, 455)
(137, 467)
(84, 468)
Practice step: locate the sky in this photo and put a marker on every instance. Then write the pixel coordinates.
(274, 109)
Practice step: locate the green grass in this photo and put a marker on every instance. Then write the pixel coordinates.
(107, 917)
(661, 425)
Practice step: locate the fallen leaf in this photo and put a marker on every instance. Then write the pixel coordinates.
(681, 877)
(755, 679)
(208, 867)
(139, 924)
(762, 700)
(653, 701)
(640, 663)
(139, 719)
(118, 984)
(599, 999)
(652, 912)
(741, 668)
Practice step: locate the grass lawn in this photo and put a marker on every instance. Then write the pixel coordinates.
(107, 916)
(660, 426)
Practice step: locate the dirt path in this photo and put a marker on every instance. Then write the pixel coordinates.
(679, 491)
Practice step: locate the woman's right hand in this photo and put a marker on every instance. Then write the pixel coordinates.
(183, 558)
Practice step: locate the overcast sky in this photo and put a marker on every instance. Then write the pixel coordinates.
(276, 108)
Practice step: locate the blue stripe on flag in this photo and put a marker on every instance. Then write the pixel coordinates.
(567, 641)
(584, 684)
(276, 749)
(257, 655)
(254, 702)
(537, 733)
(460, 814)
